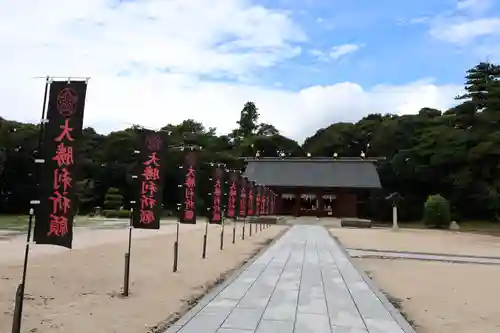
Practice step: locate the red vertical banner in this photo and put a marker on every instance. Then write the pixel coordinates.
(232, 195)
(55, 214)
(258, 201)
(266, 201)
(215, 215)
(251, 199)
(187, 211)
(262, 200)
(150, 182)
(242, 209)
(269, 203)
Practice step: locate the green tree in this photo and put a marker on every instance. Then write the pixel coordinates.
(454, 152)
(249, 116)
(113, 199)
(482, 86)
(437, 212)
(267, 130)
(85, 194)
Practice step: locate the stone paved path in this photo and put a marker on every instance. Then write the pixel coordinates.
(304, 283)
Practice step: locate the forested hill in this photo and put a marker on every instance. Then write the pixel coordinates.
(455, 153)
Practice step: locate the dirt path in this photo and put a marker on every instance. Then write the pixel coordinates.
(425, 241)
(78, 291)
(440, 297)
(437, 296)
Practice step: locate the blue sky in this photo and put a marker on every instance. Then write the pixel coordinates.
(394, 37)
(305, 64)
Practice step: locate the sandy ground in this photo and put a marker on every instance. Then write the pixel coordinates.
(78, 290)
(437, 297)
(442, 297)
(425, 241)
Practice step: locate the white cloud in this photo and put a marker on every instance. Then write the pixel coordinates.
(336, 52)
(342, 50)
(186, 39)
(466, 24)
(419, 20)
(474, 6)
(320, 55)
(465, 31)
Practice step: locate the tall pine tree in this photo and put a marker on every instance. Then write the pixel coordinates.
(482, 87)
(248, 120)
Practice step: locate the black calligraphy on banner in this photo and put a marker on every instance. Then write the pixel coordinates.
(187, 209)
(232, 196)
(217, 193)
(55, 214)
(150, 180)
(251, 199)
(242, 209)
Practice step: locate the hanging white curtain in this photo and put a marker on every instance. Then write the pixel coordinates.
(308, 197)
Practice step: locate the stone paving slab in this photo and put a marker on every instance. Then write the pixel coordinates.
(355, 253)
(304, 283)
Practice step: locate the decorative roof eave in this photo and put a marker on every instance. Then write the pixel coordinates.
(313, 159)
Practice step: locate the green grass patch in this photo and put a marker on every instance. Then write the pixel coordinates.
(14, 222)
(20, 222)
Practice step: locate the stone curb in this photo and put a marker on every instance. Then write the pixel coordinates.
(425, 253)
(405, 326)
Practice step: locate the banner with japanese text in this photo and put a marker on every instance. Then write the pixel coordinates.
(265, 193)
(149, 183)
(242, 208)
(57, 208)
(268, 201)
(251, 199)
(187, 209)
(216, 207)
(258, 199)
(232, 195)
(262, 200)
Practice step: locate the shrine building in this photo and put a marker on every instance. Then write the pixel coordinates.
(315, 186)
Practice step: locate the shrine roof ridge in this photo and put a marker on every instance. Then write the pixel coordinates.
(313, 159)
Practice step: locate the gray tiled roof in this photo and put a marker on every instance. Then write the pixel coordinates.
(314, 173)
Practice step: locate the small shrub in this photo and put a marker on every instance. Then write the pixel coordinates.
(116, 214)
(113, 199)
(437, 212)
